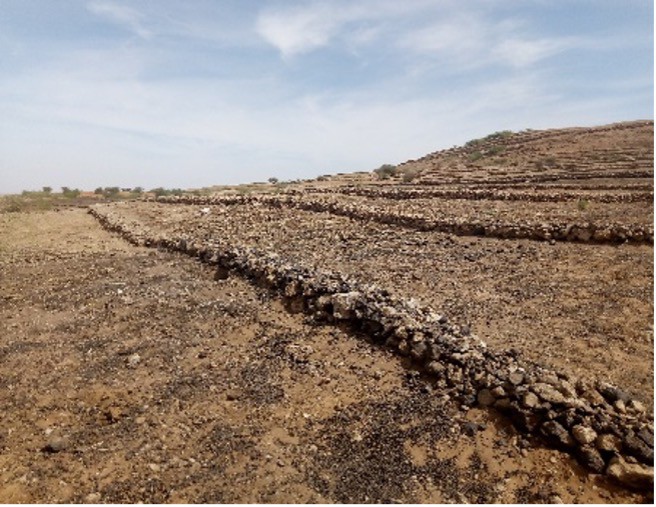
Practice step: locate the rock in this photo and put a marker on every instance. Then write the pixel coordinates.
(636, 406)
(485, 398)
(92, 498)
(233, 394)
(516, 378)
(583, 434)
(140, 420)
(471, 428)
(633, 475)
(557, 434)
(638, 448)
(498, 392)
(612, 393)
(344, 305)
(154, 467)
(435, 367)
(620, 406)
(608, 443)
(548, 393)
(590, 457)
(133, 360)
(113, 414)
(56, 443)
(530, 400)
(221, 273)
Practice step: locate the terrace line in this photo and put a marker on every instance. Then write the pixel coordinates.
(598, 423)
(584, 233)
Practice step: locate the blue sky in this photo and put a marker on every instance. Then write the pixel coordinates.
(190, 93)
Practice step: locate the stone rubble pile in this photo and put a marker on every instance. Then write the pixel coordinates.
(579, 232)
(607, 430)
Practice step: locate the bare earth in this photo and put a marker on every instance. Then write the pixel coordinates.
(129, 375)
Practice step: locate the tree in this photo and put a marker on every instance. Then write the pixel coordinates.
(98, 191)
(47, 190)
(273, 180)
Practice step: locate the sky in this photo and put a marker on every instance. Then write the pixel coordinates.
(192, 93)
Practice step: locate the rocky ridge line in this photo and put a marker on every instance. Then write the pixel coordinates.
(585, 233)
(607, 430)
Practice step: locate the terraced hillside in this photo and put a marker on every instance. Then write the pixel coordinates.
(481, 333)
(622, 150)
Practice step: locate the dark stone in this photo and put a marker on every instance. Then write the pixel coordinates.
(525, 420)
(590, 457)
(638, 448)
(558, 435)
(647, 437)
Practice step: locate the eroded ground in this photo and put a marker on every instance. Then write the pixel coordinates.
(132, 375)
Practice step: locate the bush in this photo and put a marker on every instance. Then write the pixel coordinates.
(385, 171)
(70, 193)
(477, 155)
(47, 190)
(272, 180)
(582, 205)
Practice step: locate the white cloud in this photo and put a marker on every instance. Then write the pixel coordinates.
(300, 30)
(122, 15)
(523, 52)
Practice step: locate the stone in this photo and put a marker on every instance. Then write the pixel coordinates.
(583, 434)
(516, 378)
(530, 400)
(555, 432)
(92, 498)
(637, 447)
(221, 273)
(620, 406)
(608, 443)
(590, 457)
(344, 305)
(548, 393)
(636, 406)
(133, 360)
(56, 443)
(435, 367)
(633, 475)
(498, 392)
(485, 398)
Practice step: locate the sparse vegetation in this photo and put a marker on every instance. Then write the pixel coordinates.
(385, 171)
(582, 204)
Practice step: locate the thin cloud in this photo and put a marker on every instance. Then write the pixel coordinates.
(122, 15)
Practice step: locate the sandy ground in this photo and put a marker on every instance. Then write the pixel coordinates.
(131, 375)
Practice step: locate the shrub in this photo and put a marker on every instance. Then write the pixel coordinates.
(273, 180)
(98, 191)
(385, 171)
(47, 190)
(70, 193)
(583, 204)
(477, 155)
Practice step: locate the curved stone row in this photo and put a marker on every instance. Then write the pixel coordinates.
(585, 232)
(607, 430)
(401, 193)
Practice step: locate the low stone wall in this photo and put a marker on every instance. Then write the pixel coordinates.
(490, 194)
(598, 423)
(428, 179)
(579, 232)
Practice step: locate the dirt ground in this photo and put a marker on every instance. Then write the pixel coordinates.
(584, 309)
(131, 375)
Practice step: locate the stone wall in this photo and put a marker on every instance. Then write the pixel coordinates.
(579, 232)
(598, 423)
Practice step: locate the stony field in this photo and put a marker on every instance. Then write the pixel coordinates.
(475, 335)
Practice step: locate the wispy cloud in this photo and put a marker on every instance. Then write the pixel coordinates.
(122, 15)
